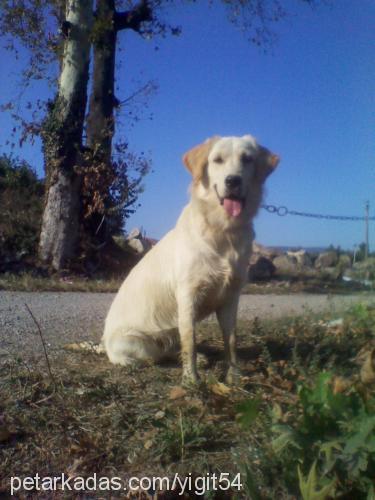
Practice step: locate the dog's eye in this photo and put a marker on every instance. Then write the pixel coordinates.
(247, 158)
(218, 159)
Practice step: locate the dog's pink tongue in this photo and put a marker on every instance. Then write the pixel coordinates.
(232, 207)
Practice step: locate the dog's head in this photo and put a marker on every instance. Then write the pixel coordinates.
(230, 171)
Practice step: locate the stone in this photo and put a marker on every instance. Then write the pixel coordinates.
(136, 245)
(285, 265)
(261, 269)
(327, 259)
(302, 257)
(134, 233)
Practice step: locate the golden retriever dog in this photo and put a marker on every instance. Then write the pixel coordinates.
(199, 267)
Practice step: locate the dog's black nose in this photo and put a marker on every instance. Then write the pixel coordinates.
(233, 181)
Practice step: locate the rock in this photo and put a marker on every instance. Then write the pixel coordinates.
(326, 259)
(121, 242)
(302, 257)
(261, 250)
(134, 233)
(136, 245)
(329, 274)
(285, 265)
(261, 269)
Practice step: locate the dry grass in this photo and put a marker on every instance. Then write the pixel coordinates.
(26, 282)
(281, 287)
(96, 417)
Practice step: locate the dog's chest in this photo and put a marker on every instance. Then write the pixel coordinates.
(216, 280)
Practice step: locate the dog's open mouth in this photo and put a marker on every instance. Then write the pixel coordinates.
(233, 205)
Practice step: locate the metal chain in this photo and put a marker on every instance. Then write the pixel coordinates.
(282, 211)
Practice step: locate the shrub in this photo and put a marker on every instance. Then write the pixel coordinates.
(21, 194)
(331, 439)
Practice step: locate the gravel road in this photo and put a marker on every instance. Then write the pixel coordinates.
(71, 317)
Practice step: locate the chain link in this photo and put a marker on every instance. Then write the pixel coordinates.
(282, 211)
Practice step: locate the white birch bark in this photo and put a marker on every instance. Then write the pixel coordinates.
(76, 56)
(59, 232)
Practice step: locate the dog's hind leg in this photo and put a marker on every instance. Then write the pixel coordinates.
(132, 346)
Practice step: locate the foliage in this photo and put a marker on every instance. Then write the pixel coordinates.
(247, 411)
(21, 194)
(361, 252)
(181, 434)
(333, 433)
(361, 318)
(308, 486)
(32, 25)
(315, 437)
(113, 192)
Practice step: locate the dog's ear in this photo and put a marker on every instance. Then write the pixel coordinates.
(266, 163)
(196, 159)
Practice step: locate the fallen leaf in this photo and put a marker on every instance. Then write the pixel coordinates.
(368, 368)
(148, 444)
(340, 384)
(195, 403)
(220, 389)
(177, 392)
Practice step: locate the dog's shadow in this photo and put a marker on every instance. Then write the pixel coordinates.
(277, 350)
(214, 355)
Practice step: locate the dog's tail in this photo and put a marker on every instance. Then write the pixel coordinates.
(88, 346)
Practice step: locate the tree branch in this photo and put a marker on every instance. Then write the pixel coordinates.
(133, 19)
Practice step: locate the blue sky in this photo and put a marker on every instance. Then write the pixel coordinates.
(311, 100)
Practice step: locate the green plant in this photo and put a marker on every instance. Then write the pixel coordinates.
(362, 316)
(182, 434)
(308, 486)
(331, 435)
(21, 194)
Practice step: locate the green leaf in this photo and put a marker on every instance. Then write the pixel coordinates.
(371, 493)
(247, 412)
(286, 438)
(327, 449)
(360, 439)
(370, 445)
(309, 486)
(250, 485)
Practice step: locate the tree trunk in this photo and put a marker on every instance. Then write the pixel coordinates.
(100, 119)
(62, 140)
(100, 123)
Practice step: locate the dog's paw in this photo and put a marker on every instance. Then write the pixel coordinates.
(233, 376)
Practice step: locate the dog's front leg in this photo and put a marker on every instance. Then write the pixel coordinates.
(227, 317)
(186, 326)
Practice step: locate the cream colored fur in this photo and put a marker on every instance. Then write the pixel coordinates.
(198, 268)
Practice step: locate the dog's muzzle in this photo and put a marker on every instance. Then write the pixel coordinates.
(233, 203)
